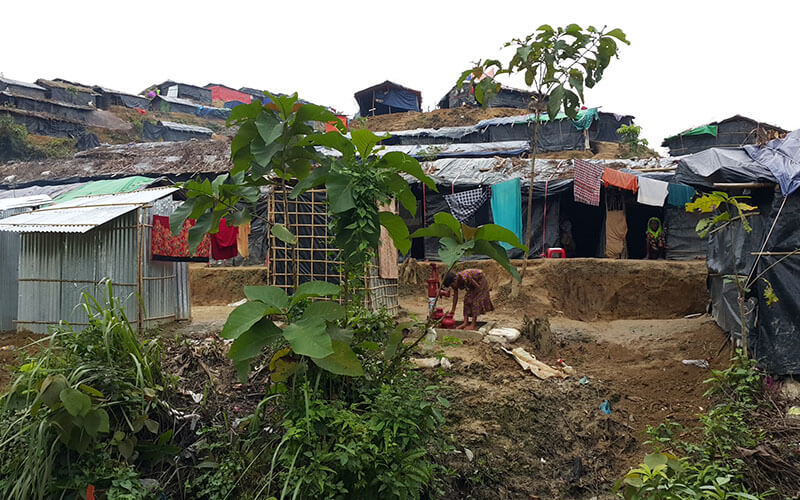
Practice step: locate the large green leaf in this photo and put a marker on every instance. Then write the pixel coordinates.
(51, 388)
(340, 193)
(397, 229)
(340, 334)
(498, 254)
(393, 342)
(250, 343)
(493, 232)
(269, 127)
(96, 421)
(315, 113)
(314, 289)
(434, 231)
(404, 163)
(554, 102)
(262, 156)
(325, 309)
(283, 234)
(308, 337)
(204, 224)
(333, 140)
(75, 402)
(270, 295)
(343, 361)
(402, 192)
(242, 318)
(364, 141)
(451, 250)
(179, 216)
(317, 177)
(247, 132)
(245, 112)
(451, 222)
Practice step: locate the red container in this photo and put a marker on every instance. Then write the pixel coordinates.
(448, 321)
(554, 253)
(438, 313)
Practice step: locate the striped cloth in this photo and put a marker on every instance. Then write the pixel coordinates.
(588, 179)
(464, 204)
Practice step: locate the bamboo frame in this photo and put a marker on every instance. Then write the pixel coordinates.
(315, 251)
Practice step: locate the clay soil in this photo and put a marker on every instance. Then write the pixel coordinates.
(456, 117)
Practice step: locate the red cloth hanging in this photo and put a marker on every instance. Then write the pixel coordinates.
(166, 246)
(224, 242)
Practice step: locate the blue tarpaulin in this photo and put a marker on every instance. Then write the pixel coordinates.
(782, 158)
(387, 97)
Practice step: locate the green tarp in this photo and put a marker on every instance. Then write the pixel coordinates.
(705, 129)
(110, 186)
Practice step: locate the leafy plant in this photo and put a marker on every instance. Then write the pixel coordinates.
(558, 64)
(374, 449)
(314, 333)
(629, 137)
(86, 394)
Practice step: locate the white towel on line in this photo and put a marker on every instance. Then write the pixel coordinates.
(652, 192)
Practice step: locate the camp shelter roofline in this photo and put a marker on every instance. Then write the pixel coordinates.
(174, 160)
(64, 84)
(17, 83)
(711, 128)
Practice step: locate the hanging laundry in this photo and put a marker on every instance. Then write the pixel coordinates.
(387, 252)
(166, 246)
(619, 179)
(652, 192)
(243, 240)
(224, 242)
(464, 204)
(680, 194)
(586, 185)
(507, 207)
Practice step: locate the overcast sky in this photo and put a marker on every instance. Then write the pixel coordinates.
(689, 62)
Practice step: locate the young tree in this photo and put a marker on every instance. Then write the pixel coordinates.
(557, 63)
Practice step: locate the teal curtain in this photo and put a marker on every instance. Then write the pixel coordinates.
(507, 207)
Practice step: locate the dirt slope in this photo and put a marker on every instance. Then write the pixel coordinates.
(456, 117)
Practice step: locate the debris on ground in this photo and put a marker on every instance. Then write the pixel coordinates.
(529, 362)
(700, 363)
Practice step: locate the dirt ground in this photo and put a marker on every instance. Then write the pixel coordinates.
(11, 348)
(437, 118)
(219, 286)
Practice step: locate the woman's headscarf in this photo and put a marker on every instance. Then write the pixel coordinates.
(657, 232)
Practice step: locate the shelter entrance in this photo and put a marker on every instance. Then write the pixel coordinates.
(585, 224)
(637, 216)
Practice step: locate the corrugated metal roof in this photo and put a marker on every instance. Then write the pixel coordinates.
(81, 215)
(24, 201)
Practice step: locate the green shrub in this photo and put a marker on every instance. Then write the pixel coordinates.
(379, 448)
(88, 396)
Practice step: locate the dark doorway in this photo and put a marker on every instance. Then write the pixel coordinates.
(586, 224)
(637, 216)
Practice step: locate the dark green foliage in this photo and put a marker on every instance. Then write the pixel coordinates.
(86, 396)
(16, 145)
(376, 448)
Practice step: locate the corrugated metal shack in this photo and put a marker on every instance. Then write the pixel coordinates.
(70, 248)
(9, 263)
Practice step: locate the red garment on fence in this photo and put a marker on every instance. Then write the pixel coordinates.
(224, 242)
(166, 246)
(619, 179)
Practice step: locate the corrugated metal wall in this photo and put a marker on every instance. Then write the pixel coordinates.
(9, 269)
(57, 268)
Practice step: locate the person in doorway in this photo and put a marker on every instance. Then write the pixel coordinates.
(656, 241)
(476, 300)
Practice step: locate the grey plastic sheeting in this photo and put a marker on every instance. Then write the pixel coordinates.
(782, 158)
(719, 165)
(53, 191)
(775, 332)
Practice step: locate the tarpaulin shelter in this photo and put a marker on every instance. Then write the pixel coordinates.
(561, 134)
(45, 123)
(507, 97)
(386, 98)
(171, 131)
(197, 94)
(108, 97)
(255, 94)
(71, 248)
(68, 92)
(22, 88)
(49, 107)
(732, 132)
(224, 93)
(766, 254)
(168, 104)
